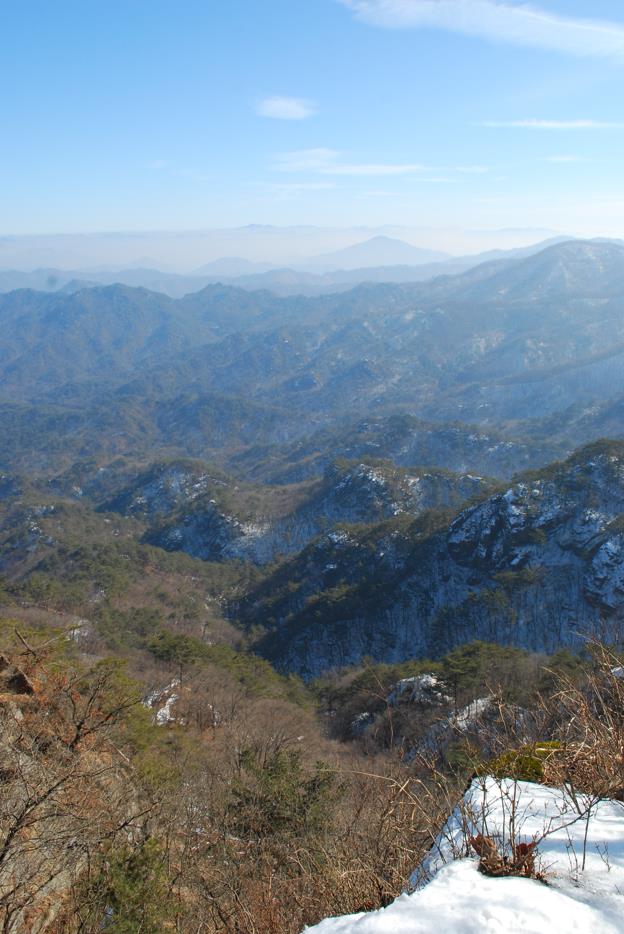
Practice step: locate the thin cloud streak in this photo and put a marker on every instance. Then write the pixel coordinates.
(562, 160)
(286, 108)
(292, 190)
(373, 170)
(327, 162)
(532, 124)
(497, 20)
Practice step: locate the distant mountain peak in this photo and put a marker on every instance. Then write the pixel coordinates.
(377, 251)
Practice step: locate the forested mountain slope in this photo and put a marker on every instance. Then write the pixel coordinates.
(538, 565)
(223, 373)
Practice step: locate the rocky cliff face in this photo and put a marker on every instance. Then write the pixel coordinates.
(539, 565)
(164, 487)
(215, 519)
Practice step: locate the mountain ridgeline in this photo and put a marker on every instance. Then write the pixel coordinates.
(538, 565)
(387, 471)
(220, 370)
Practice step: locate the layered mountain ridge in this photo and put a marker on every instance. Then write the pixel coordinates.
(216, 519)
(539, 565)
(371, 466)
(497, 350)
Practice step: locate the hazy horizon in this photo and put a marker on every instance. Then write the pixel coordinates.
(300, 246)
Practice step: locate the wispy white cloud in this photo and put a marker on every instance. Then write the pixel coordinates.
(286, 108)
(374, 170)
(499, 20)
(323, 161)
(562, 160)
(532, 124)
(328, 162)
(158, 164)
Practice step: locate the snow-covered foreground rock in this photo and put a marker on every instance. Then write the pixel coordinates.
(462, 901)
(580, 854)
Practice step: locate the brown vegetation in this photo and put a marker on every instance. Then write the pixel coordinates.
(240, 815)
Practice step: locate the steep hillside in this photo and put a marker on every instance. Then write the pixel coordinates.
(537, 566)
(46, 439)
(405, 440)
(582, 270)
(53, 339)
(194, 509)
(106, 334)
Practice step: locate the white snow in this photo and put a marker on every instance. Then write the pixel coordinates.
(460, 722)
(421, 689)
(165, 714)
(467, 716)
(462, 901)
(585, 899)
(164, 711)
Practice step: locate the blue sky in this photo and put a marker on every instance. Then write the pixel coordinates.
(141, 115)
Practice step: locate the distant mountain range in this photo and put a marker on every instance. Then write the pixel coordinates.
(387, 468)
(183, 251)
(381, 259)
(378, 251)
(510, 350)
